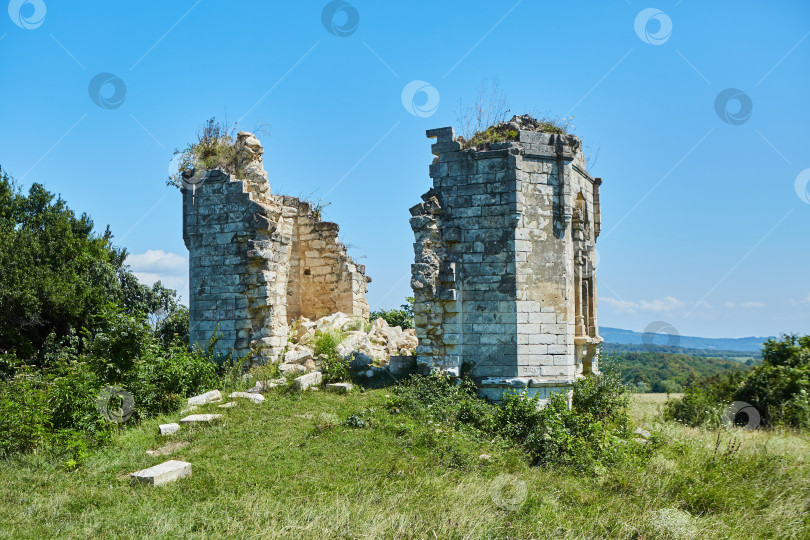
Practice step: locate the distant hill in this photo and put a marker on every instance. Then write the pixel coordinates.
(746, 344)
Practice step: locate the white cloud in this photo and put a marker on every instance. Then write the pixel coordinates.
(171, 269)
(755, 305)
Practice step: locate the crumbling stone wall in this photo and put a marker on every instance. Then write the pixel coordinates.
(257, 260)
(504, 257)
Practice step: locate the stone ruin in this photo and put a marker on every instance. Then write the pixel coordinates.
(503, 276)
(258, 261)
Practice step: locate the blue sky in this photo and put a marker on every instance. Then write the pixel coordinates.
(705, 212)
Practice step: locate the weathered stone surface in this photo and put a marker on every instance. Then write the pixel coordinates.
(168, 429)
(227, 405)
(200, 418)
(261, 386)
(162, 474)
(209, 397)
(298, 357)
(167, 449)
(255, 398)
(291, 369)
(340, 388)
(309, 380)
(504, 261)
(258, 261)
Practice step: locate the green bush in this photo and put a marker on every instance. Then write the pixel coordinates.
(402, 317)
(24, 418)
(333, 366)
(776, 388)
(594, 430)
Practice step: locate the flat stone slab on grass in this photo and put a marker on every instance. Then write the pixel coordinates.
(194, 418)
(167, 449)
(162, 474)
(255, 398)
(168, 429)
(227, 405)
(340, 387)
(310, 379)
(208, 397)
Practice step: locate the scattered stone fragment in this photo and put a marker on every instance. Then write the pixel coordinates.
(298, 357)
(261, 386)
(208, 397)
(255, 398)
(291, 369)
(340, 387)
(162, 474)
(168, 429)
(642, 433)
(228, 405)
(193, 418)
(167, 449)
(189, 409)
(310, 379)
(485, 457)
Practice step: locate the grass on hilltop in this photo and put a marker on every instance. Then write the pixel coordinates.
(293, 467)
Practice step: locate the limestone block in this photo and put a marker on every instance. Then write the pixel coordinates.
(209, 397)
(227, 405)
(340, 388)
(162, 474)
(309, 380)
(200, 418)
(291, 369)
(255, 398)
(168, 429)
(298, 356)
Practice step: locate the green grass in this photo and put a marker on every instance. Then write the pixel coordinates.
(288, 469)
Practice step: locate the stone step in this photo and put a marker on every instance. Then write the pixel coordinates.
(227, 405)
(162, 474)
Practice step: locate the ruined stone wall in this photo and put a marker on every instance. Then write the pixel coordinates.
(257, 260)
(504, 263)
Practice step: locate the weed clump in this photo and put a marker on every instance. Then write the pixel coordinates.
(509, 130)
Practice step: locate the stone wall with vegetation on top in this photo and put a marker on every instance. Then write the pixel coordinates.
(503, 275)
(257, 260)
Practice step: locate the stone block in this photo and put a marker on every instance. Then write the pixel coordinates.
(255, 398)
(309, 380)
(200, 418)
(340, 388)
(168, 429)
(209, 397)
(164, 473)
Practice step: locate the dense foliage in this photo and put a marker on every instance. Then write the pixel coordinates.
(664, 372)
(778, 389)
(83, 345)
(594, 430)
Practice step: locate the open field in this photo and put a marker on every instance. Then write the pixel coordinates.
(287, 469)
